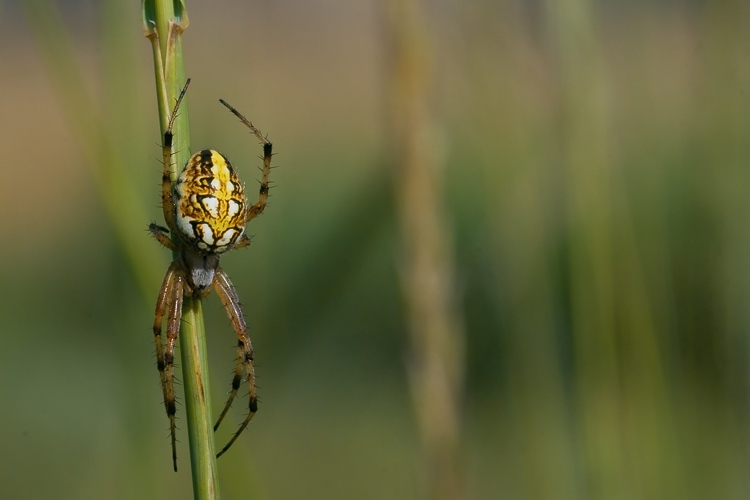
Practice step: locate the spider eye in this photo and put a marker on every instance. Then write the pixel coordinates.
(210, 203)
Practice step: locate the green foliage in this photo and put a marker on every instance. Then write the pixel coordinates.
(566, 399)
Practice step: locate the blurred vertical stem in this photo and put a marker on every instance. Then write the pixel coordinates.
(119, 196)
(163, 23)
(626, 419)
(437, 357)
(105, 141)
(576, 50)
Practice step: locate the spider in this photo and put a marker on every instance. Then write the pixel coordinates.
(206, 211)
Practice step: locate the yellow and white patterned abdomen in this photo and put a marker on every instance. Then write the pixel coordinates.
(210, 203)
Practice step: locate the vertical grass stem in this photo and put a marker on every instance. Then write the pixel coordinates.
(163, 23)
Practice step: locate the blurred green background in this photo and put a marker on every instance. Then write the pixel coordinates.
(598, 191)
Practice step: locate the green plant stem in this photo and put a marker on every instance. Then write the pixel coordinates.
(164, 21)
(118, 193)
(198, 401)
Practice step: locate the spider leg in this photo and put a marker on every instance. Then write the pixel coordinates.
(236, 381)
(244, 241)
(163, 302)
(166, 179)
(170, 302)
(160, 233)
(255, 210)
(173, 331)
(228, 296)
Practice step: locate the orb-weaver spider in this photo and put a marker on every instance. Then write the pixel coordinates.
(206, 211)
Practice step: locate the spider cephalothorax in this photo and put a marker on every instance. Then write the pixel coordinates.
(206, 211)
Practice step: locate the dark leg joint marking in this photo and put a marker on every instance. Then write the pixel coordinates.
(157, 228)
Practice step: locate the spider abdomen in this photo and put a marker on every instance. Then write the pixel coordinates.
(210, 203)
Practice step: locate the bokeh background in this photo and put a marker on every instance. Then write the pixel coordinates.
(596, 195)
